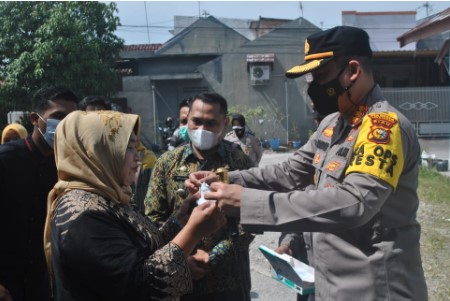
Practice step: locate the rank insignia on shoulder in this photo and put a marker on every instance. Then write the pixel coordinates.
(328, 132)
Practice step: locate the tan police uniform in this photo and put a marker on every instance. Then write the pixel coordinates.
(249, 143)
(362, 214)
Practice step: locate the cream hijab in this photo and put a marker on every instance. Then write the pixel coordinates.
(90, 152)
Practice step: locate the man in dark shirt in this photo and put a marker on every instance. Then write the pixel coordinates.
(27, 174)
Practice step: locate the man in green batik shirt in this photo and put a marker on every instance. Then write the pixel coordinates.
(220, 265)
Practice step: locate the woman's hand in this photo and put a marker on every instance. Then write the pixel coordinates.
(186, 208)
(199, 264)
(206, 219)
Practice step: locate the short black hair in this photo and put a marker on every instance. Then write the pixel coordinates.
(212, 98)
(185, 103)
(364, 61)
(94, 100)
(44, 95)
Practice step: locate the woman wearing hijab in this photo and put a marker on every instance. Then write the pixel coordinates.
(14, 131)
(98, 247)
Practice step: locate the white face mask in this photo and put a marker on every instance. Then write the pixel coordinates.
(204, 140)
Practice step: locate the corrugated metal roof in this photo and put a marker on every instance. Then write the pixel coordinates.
(433, 25)
(384, 13)
(261, 58)
(241, 26)
(142, 47)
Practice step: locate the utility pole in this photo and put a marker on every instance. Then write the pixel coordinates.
(428, 7)
(205, 13)
(146, 21)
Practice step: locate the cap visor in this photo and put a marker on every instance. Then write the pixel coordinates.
(300, 70)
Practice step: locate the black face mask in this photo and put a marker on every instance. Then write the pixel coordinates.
(325, 97)
(239, 131)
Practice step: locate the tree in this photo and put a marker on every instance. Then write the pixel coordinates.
(68, 43)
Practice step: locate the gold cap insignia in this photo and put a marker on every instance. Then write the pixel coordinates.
(306, 47)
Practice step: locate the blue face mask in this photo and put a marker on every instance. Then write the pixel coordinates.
(184, 133)
(49, 135)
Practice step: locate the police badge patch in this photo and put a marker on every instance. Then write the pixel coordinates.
(378, 149)
(381, 127)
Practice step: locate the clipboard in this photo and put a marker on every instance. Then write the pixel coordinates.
(289, 271)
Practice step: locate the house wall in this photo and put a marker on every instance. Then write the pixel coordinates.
(233, 82)
(197, 60)
(172, 64)
(137, 90)
(383, 27)
(285, 101)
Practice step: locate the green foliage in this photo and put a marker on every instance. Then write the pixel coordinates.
(434, 215)
(433, 186)
(294, 132)
(67, 43)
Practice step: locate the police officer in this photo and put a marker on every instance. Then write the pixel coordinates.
(363, 161)
(246, 139)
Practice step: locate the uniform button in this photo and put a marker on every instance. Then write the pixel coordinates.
(307, 246)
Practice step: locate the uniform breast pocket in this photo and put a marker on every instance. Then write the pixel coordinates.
(333, 172)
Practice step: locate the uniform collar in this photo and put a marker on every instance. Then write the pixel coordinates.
(189, 154)
(372, 97)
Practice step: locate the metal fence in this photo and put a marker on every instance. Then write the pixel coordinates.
(428, 108)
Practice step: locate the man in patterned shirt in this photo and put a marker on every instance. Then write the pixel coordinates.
(220, 265)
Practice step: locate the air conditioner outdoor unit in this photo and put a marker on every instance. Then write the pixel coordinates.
(260, 74)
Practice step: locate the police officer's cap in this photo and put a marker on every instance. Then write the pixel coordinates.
(322, 47)
(239, 118)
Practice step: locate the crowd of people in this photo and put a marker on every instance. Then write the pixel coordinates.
(87, 212)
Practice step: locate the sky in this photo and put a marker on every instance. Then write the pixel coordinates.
(324, 14)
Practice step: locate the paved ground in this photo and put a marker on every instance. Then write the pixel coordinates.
(264, 288)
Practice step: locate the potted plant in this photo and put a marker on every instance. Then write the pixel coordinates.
(295, 136)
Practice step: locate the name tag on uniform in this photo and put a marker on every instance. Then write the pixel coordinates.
(180, 178)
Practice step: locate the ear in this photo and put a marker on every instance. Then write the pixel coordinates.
(227, 120)
(355, 70)
(34, 118)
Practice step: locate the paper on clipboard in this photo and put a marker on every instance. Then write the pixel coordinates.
(289, 271)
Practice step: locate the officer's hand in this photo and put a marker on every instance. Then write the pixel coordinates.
(228, 196)
(196, 179)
